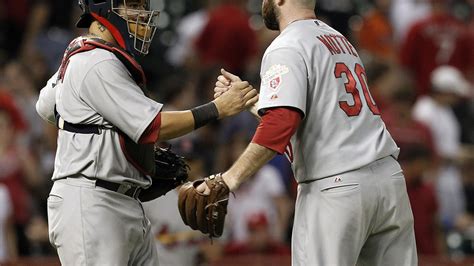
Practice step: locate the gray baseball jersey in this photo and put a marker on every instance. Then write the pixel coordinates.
(98, 89)
(313, 68)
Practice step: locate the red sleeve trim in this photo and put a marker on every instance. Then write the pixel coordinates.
(151, 133)
(277, 127)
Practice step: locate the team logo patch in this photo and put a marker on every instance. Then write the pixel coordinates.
(274, 83)
(273, 77)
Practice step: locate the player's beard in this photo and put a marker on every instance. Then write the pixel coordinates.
(270, 16)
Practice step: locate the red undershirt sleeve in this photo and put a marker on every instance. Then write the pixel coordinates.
(276, 128)
(150, 135)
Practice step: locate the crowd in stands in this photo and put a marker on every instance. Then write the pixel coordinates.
(419, 59)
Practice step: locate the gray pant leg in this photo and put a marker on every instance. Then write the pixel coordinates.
(392, 241)
(64, 224)
(146, 253)
(94, 226)
(330, 224)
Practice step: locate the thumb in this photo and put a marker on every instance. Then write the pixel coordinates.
(230, 76)
(203, 188)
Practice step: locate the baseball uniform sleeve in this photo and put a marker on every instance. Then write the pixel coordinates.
(109, 89)
(276, 128)
(47, 100)
(284, 80)
(152, 131)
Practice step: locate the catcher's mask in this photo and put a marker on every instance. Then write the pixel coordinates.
(132, 23)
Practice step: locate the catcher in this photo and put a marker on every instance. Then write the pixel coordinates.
(106, 161)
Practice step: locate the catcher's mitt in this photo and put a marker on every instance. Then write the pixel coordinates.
(205, 213)
(170, 171)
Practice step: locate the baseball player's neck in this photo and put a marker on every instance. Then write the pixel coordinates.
(292, 15)
(100, 31)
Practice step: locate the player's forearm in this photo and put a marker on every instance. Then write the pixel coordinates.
(178, 123)
(175, 124)
(253, 158)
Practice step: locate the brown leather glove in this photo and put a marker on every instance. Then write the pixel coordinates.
(205, 213)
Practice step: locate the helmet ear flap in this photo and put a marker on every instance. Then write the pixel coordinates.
(84, 21)
(86, 18)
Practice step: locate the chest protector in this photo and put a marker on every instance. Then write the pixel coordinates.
(141, 156)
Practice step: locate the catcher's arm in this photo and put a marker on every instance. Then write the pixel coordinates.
(177, 123)
(223, 84)
(47, 100)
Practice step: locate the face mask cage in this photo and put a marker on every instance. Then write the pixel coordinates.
(141, 22)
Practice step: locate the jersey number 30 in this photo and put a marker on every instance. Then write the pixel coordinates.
(351, 87)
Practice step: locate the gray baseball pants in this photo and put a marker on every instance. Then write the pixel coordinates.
(362, 217)
(90, 225)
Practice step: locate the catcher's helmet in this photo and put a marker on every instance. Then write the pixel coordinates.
(132, 23)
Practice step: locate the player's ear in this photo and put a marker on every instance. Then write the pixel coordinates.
(280, 2)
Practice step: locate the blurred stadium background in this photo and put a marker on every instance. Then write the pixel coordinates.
(401, 42)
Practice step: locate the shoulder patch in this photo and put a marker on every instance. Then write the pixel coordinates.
(273, 77)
